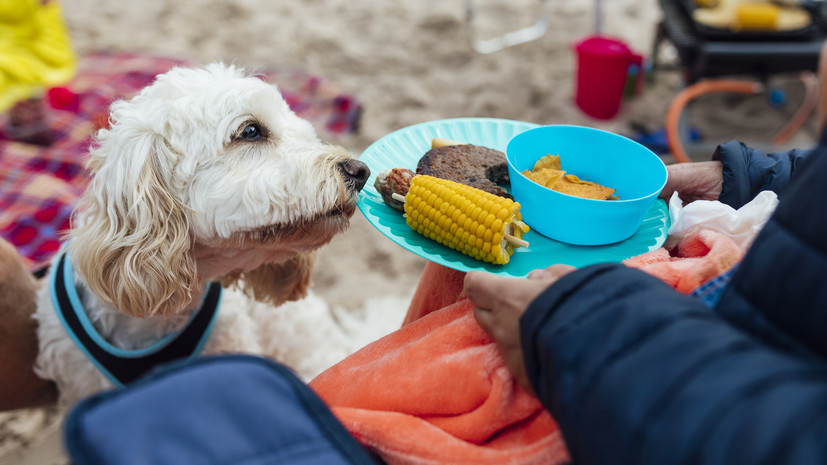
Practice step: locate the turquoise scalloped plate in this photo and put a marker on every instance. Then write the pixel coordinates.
(403, 149)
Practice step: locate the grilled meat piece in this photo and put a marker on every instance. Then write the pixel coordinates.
(472, 165)
(395, 180)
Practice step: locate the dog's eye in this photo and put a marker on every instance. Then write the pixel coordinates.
(250, 132)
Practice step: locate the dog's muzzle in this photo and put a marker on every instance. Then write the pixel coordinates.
(356, 173)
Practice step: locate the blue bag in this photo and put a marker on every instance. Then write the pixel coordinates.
(234, 409)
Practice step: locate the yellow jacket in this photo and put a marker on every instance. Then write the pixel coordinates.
(35, 50)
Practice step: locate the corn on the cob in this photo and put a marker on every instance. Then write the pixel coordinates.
(706, 3)
(757, 17)
(478, 224)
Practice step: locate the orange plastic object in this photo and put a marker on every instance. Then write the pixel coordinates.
(673, 114)
(808, 105)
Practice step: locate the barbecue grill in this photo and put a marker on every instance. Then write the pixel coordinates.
(710, 56)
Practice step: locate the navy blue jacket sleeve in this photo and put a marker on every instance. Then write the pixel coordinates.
(748, 171)
(636, 373)
(789, 254)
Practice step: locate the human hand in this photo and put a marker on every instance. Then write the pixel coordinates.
(499, 302)
(694, 181)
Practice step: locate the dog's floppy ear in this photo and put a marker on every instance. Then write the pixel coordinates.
(132, 246)
(277, 283)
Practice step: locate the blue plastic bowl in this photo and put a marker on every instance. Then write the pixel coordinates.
(593, 155)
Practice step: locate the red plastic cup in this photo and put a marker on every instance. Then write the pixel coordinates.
(602, 67)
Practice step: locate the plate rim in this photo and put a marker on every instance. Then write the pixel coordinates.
(459, 264)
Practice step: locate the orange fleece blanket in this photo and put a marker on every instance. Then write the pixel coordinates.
(697, 258)
(437, 392)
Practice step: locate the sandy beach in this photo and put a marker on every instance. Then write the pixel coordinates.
(410, 62)
(406, 62)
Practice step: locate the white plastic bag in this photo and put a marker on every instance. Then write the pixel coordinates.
(741, 225)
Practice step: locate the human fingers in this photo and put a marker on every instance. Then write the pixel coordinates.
(504, 330)
(552, 272)
(694, 181)
(488, 290)
(485, 318)
(502, 323)
(502, 294)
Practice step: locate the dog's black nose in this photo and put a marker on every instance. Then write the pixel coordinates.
(355, 171)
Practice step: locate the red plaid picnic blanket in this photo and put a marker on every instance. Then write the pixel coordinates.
(40, 184)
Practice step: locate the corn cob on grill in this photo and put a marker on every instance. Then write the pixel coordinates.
(757, 17)
(476, 223)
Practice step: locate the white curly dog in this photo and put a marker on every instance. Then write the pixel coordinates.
(206, 175)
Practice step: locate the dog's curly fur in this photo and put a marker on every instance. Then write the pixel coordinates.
(204, 175)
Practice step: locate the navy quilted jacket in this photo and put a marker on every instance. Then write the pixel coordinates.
(749, 171)
(636, 373)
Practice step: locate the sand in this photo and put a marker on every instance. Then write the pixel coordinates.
(407, 62)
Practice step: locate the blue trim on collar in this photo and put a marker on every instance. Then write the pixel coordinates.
(77, 309)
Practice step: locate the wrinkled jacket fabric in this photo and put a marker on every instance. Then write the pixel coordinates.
(748, 171)
(636, 373)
